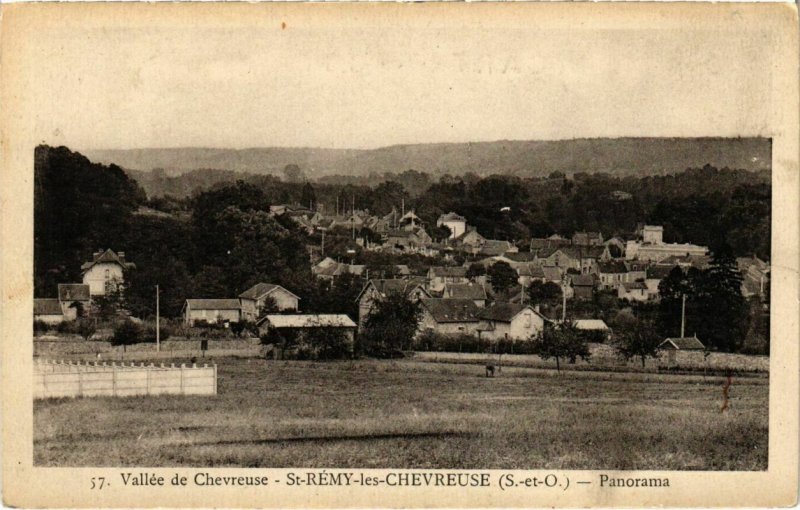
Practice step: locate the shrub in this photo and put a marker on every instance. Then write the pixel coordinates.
(127, 333)
(42, 327)
(434, 342)
(68, 327)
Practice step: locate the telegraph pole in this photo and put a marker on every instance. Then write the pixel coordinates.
(158, 331)
(683, 315)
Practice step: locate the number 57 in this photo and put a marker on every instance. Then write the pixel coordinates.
(99, 483)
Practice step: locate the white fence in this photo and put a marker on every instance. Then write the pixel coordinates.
(68, 379)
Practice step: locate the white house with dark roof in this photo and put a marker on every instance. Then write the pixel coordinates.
(211, 310)
(510, 321)
(105, 272)
(48, 310)
(456, 223)
(254, 299)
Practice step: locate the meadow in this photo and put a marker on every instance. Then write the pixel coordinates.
(410, 414)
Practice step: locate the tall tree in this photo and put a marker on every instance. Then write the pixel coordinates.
(502, 276)
(723, 311)
(391, 325)
(562, 342)
(638, 339)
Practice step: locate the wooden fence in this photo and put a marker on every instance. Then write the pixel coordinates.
(68, 379)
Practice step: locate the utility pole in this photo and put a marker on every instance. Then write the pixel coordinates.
(564, 299)
(353, 215)
(683, 315)
(158, 332)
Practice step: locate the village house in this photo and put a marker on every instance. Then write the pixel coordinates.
(449, 316)
(493, 247)
(105, 272)
(633, 291)
(407, 240)
(377, 289)
(297, 326)
(653, 278)
(473, 291)
(48, 311)
(548, 244)
(582, 286)
(438, 276)
(691, 347)
(611, 274)
(470, 240)
(597, 326)
(529, 273)
(457, 224)
(510, 321)
(211, 311)
(652, 248)
(755, 276)
(75, 300)
(587, 239)
(254, 299)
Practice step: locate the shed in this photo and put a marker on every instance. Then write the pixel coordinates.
(690, 343)
(211, 310)
(300, 325)
(47, 310)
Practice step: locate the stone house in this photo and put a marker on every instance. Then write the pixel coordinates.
(438, 276)
(75, 300)
(449, 316)
(376, 289)
(456, 223)
(211, 311)
(254, 299)
(510, 321)
(474, 291)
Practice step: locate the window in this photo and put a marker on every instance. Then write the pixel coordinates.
(108, 274)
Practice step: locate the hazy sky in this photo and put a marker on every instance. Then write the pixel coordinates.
(361, 85)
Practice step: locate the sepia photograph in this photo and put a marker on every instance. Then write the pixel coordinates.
(321, 239)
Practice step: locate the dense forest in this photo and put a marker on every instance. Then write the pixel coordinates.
(220, 239)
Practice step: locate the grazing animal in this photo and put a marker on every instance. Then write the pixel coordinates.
(489, 370)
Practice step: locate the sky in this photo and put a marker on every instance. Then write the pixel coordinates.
(366, 82)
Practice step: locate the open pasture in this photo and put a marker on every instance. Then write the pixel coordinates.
(409, 414)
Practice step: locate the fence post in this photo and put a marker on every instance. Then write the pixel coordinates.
(148, 380)
(182, 366)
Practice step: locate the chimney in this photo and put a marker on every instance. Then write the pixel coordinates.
(536, 307)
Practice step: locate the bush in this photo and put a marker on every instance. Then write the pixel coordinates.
(68, 327)
(42, 327)
(127, 333)
(149, 332)
(435, 342)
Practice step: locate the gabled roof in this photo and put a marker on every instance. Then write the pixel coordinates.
(322, 320)
(260, 290)
(591, 325)
(451, 310)
(213, 304)
(108, 256)
(47, 306)
(73, 292)
(494, 247)
(629, 286)
(582, 280)
(690, 343)
(393, 286)
(532, 270)
(658, 272)
(472, 291)
(504, 312)
(449, 271)
(520, 256)
(552, 273)
(612, 267)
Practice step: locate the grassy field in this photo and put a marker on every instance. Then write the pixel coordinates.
(410, 414)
